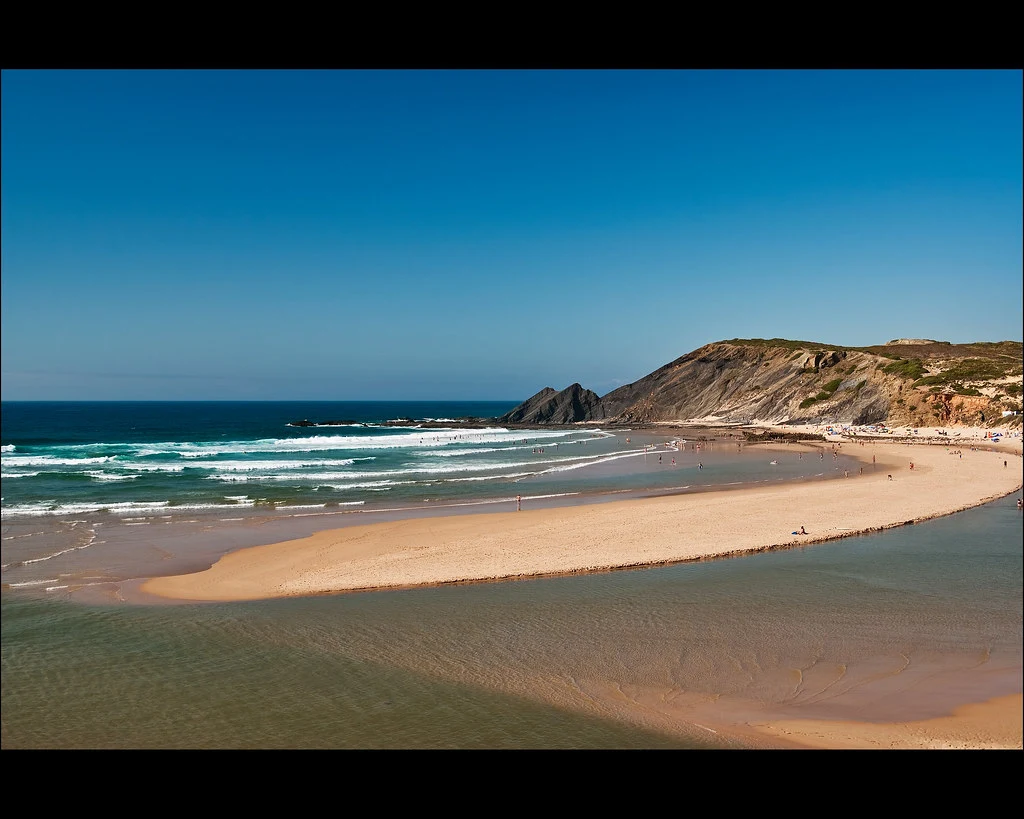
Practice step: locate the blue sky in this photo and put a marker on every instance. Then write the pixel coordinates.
(464, 234)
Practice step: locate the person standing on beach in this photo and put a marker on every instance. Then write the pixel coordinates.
(519, 503)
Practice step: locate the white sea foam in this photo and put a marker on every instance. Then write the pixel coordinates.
(325, 509)
(592, 462)
(503, 476)
(107, 476)
(75, 548)
(553, 464)
(313, 443)
(363, 485)
(27, 534)
(426, 469)
(456, 452)
(301, 476)
(6, 475)
(7, 448)
(517, 447)
(52, 508)
(272, 466)
(32, 583)
(139, 467)
(51, 460)
(239, 466)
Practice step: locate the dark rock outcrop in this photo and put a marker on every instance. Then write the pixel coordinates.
(307, 423)
(571, 405)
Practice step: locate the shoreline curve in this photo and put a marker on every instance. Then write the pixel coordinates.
(617, 535)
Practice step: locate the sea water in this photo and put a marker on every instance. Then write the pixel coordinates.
(148, 459)
(95, 492)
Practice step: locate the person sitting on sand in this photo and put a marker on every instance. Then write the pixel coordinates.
(803, 531)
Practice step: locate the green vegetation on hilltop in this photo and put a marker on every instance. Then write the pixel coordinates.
(1013, 351)
(970, 369)
(816, 346)
(782, 342)
(905, 369)
(1001, 348)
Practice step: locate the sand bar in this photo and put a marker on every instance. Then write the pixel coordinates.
(621, 534)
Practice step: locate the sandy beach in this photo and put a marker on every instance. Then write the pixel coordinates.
(902, 481)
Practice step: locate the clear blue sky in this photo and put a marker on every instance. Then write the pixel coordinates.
(463, 234)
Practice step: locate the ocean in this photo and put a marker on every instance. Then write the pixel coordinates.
(146, 460)
(96, 494)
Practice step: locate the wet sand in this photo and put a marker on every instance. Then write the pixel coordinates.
(992, 725)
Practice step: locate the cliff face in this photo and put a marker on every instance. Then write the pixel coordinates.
(916, 382)
(739, 383)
